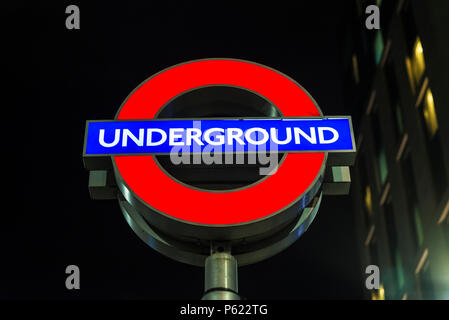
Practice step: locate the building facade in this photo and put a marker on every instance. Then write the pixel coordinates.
(397, 86)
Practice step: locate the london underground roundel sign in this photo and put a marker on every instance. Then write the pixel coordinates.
(237, 107)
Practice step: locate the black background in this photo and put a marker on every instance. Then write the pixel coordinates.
(58, 78)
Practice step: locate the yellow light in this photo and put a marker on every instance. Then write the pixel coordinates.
(408, 65)
(368, 200)
(415, 65)
(429, 113)
(379, 295)
(419, 49)
(418, 62)
(381, 292)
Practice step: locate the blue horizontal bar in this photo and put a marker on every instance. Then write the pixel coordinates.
(121, 137)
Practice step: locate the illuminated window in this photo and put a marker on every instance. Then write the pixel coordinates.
(429, 123)
(418, 64)
(378, 46)
(379, 294)
(415, 65)
(368, 200)
(408, 65)
(429, 114)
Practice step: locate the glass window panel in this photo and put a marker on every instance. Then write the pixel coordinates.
(408, 65)
(383, 167)
(412, 199)
(398, 118)
(393, 90)
(418, 64)
(368, 200)
(418, 225)
(429, 114)
(378, 46)
(399, 270)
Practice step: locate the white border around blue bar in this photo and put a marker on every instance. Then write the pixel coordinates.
(166, 136)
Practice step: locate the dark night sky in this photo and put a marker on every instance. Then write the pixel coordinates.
(61, 78)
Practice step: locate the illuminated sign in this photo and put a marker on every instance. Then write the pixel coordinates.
(178, 111)
(239, 135)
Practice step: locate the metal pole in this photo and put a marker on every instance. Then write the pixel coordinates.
(220, 280)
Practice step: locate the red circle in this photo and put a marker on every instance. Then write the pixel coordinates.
(294, 176)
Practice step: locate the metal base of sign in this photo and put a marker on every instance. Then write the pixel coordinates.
(220, 277)
(196, 253)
